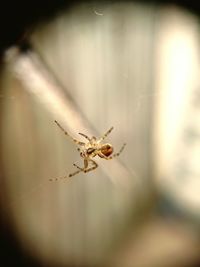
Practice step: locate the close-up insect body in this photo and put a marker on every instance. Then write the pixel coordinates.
(91, 148)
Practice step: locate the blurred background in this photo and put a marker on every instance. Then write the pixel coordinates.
(91, 65)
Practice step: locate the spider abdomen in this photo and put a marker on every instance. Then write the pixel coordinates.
(106, 150)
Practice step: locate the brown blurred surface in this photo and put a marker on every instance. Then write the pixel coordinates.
(91, 69)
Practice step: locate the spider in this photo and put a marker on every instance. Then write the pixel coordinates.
(90, 149)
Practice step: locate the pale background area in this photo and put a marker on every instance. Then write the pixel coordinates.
(130, 66)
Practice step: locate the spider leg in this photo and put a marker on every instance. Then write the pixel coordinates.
(79, 168)
(105, 135)
(66, 133)
(70, 175)
(114, 155)
(57, 179)
(84, 135)
(95, 165)
(74, 173)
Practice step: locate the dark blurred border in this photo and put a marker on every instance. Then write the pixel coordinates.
(18, 17)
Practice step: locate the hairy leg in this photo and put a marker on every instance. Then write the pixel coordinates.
(84, 135)
(95, 165)
(105, 135)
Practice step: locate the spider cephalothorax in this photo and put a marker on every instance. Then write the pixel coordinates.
(90, 149)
